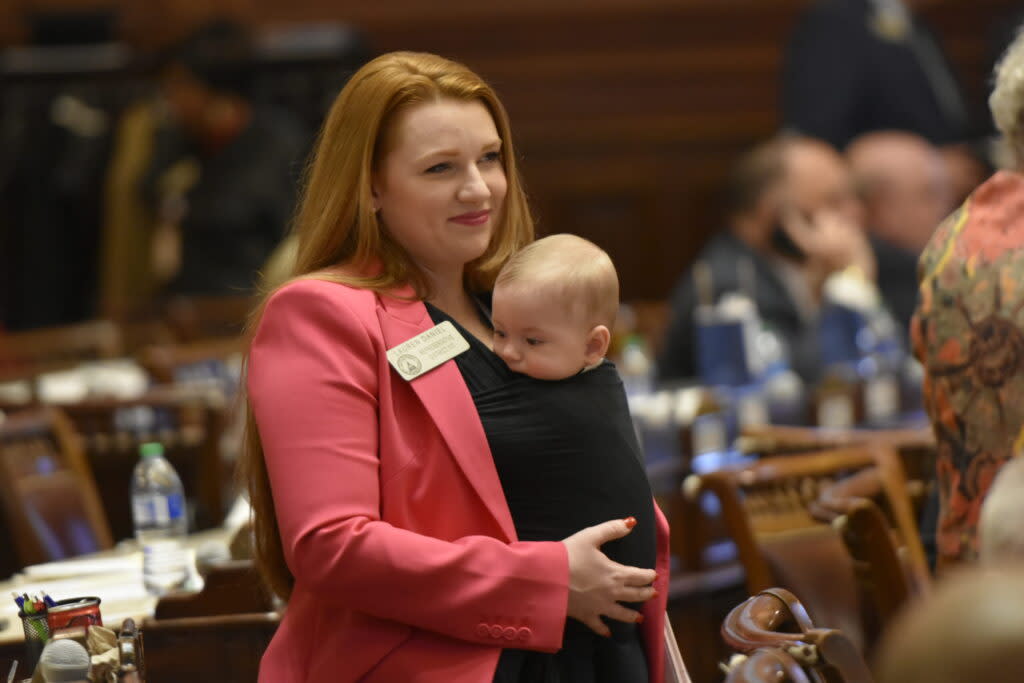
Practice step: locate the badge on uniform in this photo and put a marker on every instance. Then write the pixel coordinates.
(427, 350)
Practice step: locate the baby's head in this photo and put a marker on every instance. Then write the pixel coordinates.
(554, 306)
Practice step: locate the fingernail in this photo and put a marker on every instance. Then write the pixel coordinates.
(630, 522)
(607, 633)
(654, 593)
(639, 618)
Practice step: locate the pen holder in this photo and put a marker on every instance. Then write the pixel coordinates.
(37, 632)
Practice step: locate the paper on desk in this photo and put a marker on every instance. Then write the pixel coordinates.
(96, 565)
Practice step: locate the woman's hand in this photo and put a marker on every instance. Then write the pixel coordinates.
(597, 585)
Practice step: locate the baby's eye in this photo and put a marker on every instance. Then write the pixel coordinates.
(439, 168)
(491, 156)
(532, 341)
(499, 334)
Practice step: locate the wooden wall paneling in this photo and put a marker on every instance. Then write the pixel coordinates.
(627, 114)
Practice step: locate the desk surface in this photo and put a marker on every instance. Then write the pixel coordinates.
(114, 576)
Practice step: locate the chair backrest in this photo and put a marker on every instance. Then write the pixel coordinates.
(775, 618)
(174, 363)
(769, 665)
(25, 354)
(51, 504)
(202, 317)
(881, 565)
(767, 509)
(188, 424)
(915, 445)
(226, 649)
(230, 587)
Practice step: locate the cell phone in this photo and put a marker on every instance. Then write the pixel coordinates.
(781, 241)
(784, 246)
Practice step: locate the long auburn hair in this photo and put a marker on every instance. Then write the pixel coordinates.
(335, 225)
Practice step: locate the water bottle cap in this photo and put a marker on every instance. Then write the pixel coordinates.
(148, 450)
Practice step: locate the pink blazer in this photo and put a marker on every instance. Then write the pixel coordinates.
(393, 519)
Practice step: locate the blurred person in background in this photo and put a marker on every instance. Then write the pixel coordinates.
(1000, 531)
(968, 630)
(855, 66)
(905, 189)
(968, 330)
(793, 214)
(224, 169)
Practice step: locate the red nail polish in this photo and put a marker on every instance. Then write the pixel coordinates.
(630, 522)
(654, 594)
(639, 618)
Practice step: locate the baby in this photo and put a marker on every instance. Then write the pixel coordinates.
(569, 456)
(554, 306)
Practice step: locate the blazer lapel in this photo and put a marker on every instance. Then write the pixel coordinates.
(446, 398)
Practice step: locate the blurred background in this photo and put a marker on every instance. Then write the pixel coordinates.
(627, 115)
(150, 153)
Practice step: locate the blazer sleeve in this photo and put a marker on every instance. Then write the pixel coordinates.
(313, 379)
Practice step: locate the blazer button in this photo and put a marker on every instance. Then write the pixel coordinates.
(523, 633)
(483, 630)
(509, 633)
(497, 631)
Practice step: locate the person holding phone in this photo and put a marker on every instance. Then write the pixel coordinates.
(793, 216)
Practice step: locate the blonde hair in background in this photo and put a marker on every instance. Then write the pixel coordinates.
(335, 225)
(1007, 98)
(573, 271)
(1000, 531)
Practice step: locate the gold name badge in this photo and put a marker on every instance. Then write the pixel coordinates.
(427, 350)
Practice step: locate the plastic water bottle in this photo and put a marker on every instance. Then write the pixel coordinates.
(158, 511)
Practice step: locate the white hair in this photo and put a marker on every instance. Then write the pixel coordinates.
(1001, 527)
(1007, 98)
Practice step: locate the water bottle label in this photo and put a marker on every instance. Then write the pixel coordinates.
(158, 510)
(708, 434)
(142, 511)
(836, 412)
(882, 398)
(752, 411)
(175, 506)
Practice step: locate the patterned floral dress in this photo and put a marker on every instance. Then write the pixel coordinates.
(968, 331)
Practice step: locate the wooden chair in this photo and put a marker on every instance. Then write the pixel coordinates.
(193, 318)
(30, 353)
(51, 504)
(915, 445)
(189, 425)
(225, 648)
(767, 665)
(170, 363)
(766, 508)
(775, 618)
(231, 587)
(880, 564)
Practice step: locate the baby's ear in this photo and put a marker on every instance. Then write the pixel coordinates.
(597, 344)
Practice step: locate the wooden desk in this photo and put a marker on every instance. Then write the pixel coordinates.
(114, 576)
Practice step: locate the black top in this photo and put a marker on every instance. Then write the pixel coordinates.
(844, 73)
(568, 458)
